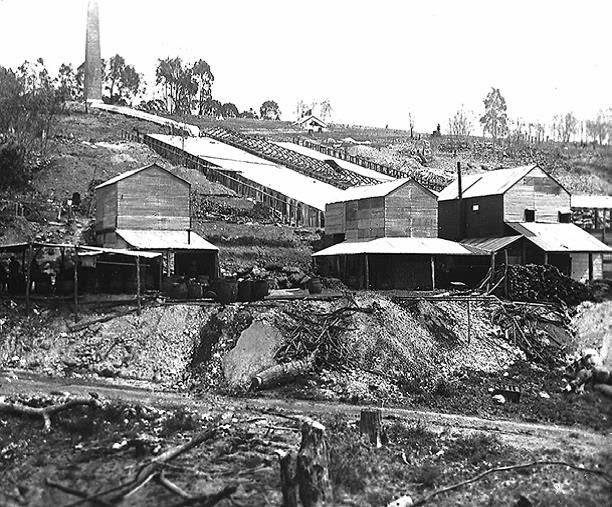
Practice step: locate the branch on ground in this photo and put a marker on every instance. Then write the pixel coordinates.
(47, 412)
(458, 485)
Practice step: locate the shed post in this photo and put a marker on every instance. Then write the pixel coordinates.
(138, 303)
(367, 272)
(433, 273)
(506, 272)
(545, 257)
(76, 283)
(590, 266)
(603, 224)
(28, 275)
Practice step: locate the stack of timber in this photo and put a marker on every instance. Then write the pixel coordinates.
(537, 283)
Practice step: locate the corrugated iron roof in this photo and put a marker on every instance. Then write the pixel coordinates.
(364, 171)
(127, 174)
(489, 183)
(89, 251)
(368, 191)
(276, 177)
(164, 240)
(557, 237)
(311, 117)
(485, 246)
(423, 246)
(592, 201)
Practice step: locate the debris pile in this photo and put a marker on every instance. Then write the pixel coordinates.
(540, 331)
(538, 283)
(207, 207)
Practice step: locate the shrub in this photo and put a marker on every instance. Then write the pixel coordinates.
(13, 170)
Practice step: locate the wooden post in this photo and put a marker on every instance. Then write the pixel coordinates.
(28, 275)
(138, 303)
(370, 423)
(312, 473)
(603, 224)
(433, 273)
(505, 272)
(367, 272)
(76, 283)
(492, 278)
(590, 266)
(545, 257)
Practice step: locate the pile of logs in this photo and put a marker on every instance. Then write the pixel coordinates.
(317, 334)
(538, 283)
(531, 327)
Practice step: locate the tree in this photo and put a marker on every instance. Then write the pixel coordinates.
(459, 124)
(300, 109)
(212, 108)
(179, 85)
(13, 171)
(411, 123)
(565, 126)
(66, 82)
(269, 110)
(29, 104)
(229, 110)
(325, 108)
(204, 78)
(122, 81)
(495, 119)
(251, 114)
(599, 128)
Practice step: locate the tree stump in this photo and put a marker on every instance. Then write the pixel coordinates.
(312, 472)
(370, 424)
(289, 486)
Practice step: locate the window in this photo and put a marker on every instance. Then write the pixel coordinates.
(475, 208)
(565, 217)
(529, 215)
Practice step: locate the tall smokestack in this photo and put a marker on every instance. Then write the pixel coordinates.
(93, 61)
(460, 200)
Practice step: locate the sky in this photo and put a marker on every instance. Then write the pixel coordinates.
(376, 61)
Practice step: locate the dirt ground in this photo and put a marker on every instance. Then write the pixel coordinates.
(95, 449)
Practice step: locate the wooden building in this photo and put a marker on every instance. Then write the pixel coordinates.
(399, 208)
(385, 237)
(311, 123)
(150, 209)
(521, 213)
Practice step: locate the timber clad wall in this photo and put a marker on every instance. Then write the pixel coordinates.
(536, 191)
(483, 216)
(580, 266)
(408, 211)
(106, 208)
(411, 211)
(165, 207)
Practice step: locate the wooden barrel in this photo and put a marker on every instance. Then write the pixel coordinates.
(194, 290)
(314, 285)
(179, 290)
(260, 289)
(226, 290)
(245, 291)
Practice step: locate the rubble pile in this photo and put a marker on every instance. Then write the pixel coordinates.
(539, 283)
(542, 332)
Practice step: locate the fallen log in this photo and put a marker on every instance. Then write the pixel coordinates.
(47, 412)
(281, 373)
(83, 325)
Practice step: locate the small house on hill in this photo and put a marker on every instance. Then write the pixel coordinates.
(521, 213)
(385, 237)
(149, 209)
(312, 124)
